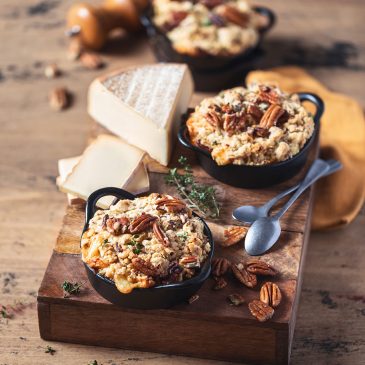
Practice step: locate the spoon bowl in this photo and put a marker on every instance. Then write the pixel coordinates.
(262, 235)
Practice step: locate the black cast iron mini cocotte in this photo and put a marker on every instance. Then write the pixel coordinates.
(210, 73)
(162, 296)
(246, 176)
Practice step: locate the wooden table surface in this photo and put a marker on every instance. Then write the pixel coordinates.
(326, 37)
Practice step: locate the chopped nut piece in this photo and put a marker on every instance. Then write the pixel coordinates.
(74, 49)
(52, 71)
(233, 235)
(193, 298)
(270, 294)
(243, 276)
(259, 267)
(190, 261)
(145, 267)
(220, 265)
(260, 310)
(255, 112)
(220, 283)
(91, 61)
(59, 98)
(236, 299)
(214, 119)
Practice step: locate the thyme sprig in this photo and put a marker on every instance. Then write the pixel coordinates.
(199, 197)
(71, 288)
(50, 350)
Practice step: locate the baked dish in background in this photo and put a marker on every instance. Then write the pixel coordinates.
(257, 125)
(214, 27)
(145, 242)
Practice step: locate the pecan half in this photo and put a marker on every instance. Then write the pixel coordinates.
(189, 261)
(271, 116)
(220, 283)
(210, 4)
(270, 294)
(142, 223)
(243, 276)
(176, 18)
(214, 119)
(170, 205)
(255, 112)
(220, 265)
(261, 311)
(267, 95)
(145, 267)
(234, 123)
(235, 16)
(160, 234)
(259, 267)
(233, 235)
(235, 299)
(59, 98)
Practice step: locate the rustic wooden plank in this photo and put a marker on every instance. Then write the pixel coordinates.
(327, 40)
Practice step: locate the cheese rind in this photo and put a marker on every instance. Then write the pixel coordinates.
(108, 161)
(143, 105)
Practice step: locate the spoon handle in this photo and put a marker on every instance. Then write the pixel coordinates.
(318, 169)
(334, 166)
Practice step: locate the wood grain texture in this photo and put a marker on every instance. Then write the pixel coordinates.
(326, 38)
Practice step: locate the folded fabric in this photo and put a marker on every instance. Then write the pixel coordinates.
(339, 197)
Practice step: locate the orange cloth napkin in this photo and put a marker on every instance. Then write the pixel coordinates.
(339, 197)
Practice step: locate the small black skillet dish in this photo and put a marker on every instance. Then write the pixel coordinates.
(247, 176)
(162, 296)
(211, 73)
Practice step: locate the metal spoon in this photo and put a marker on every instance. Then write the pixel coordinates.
(249, 213)
(264, 232)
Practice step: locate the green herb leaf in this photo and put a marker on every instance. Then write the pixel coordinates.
(50, 350)
(199, 197)
(71, 288)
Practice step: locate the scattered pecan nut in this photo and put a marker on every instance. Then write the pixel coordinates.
(142, 223)
(220, 283)
(143, 266)
(193, 298)
(271, 116)
(233, 235)
(234, 16)
(260, 310)
(59, 98)
(92, 61)
(259, 267)
(160, 234)
(235, 299)
(243, 276)
(220, 265)
(170, 205)
(270, 294)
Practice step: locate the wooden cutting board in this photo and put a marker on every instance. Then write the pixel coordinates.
(207, 328)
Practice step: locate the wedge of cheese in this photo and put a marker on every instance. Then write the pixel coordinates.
(143, 105)
(108, 161)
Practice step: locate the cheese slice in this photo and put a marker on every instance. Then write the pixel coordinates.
(108, 161)
(143, 105)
